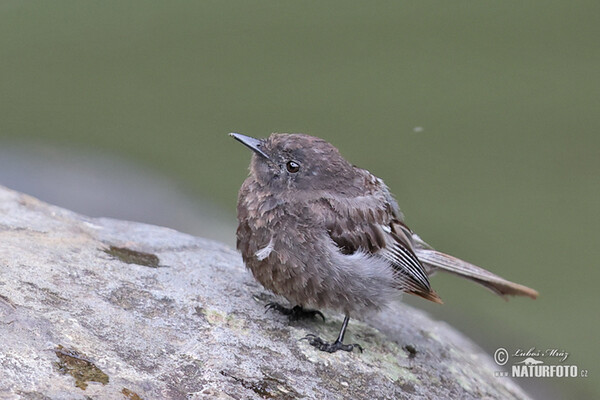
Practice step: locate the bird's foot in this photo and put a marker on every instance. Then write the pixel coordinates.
(295, 313)
(322, 345)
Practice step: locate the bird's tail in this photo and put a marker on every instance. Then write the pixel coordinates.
(434, 260)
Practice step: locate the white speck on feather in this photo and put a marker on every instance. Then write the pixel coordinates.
(265, 251)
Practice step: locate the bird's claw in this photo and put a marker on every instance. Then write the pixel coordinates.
(322, 345)
(295, 313)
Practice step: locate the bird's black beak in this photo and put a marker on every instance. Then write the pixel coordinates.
(253, 144)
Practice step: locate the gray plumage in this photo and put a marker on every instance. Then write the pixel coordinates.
(325, 234)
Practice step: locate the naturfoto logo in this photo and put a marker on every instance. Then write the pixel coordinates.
(535, 363)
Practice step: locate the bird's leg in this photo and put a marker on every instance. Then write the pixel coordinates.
(295, 313)
(322, 345)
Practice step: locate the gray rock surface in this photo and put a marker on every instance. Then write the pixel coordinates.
(106, 309)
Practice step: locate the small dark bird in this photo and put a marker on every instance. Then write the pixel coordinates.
(325, 234)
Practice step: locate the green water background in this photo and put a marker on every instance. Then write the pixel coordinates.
(482, 117)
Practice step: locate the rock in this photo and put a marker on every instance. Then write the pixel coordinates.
(106, 309)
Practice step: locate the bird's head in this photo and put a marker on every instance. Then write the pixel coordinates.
(295, 162)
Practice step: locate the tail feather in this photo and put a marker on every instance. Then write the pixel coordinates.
(433, 259)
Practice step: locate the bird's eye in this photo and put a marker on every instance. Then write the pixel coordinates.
(292, 166)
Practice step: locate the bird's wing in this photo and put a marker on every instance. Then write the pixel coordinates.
(369, 224)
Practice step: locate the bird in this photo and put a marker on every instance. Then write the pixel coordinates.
(327, 235)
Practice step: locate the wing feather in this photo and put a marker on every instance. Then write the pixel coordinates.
(372, 224)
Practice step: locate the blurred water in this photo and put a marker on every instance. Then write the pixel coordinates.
(104, 185)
